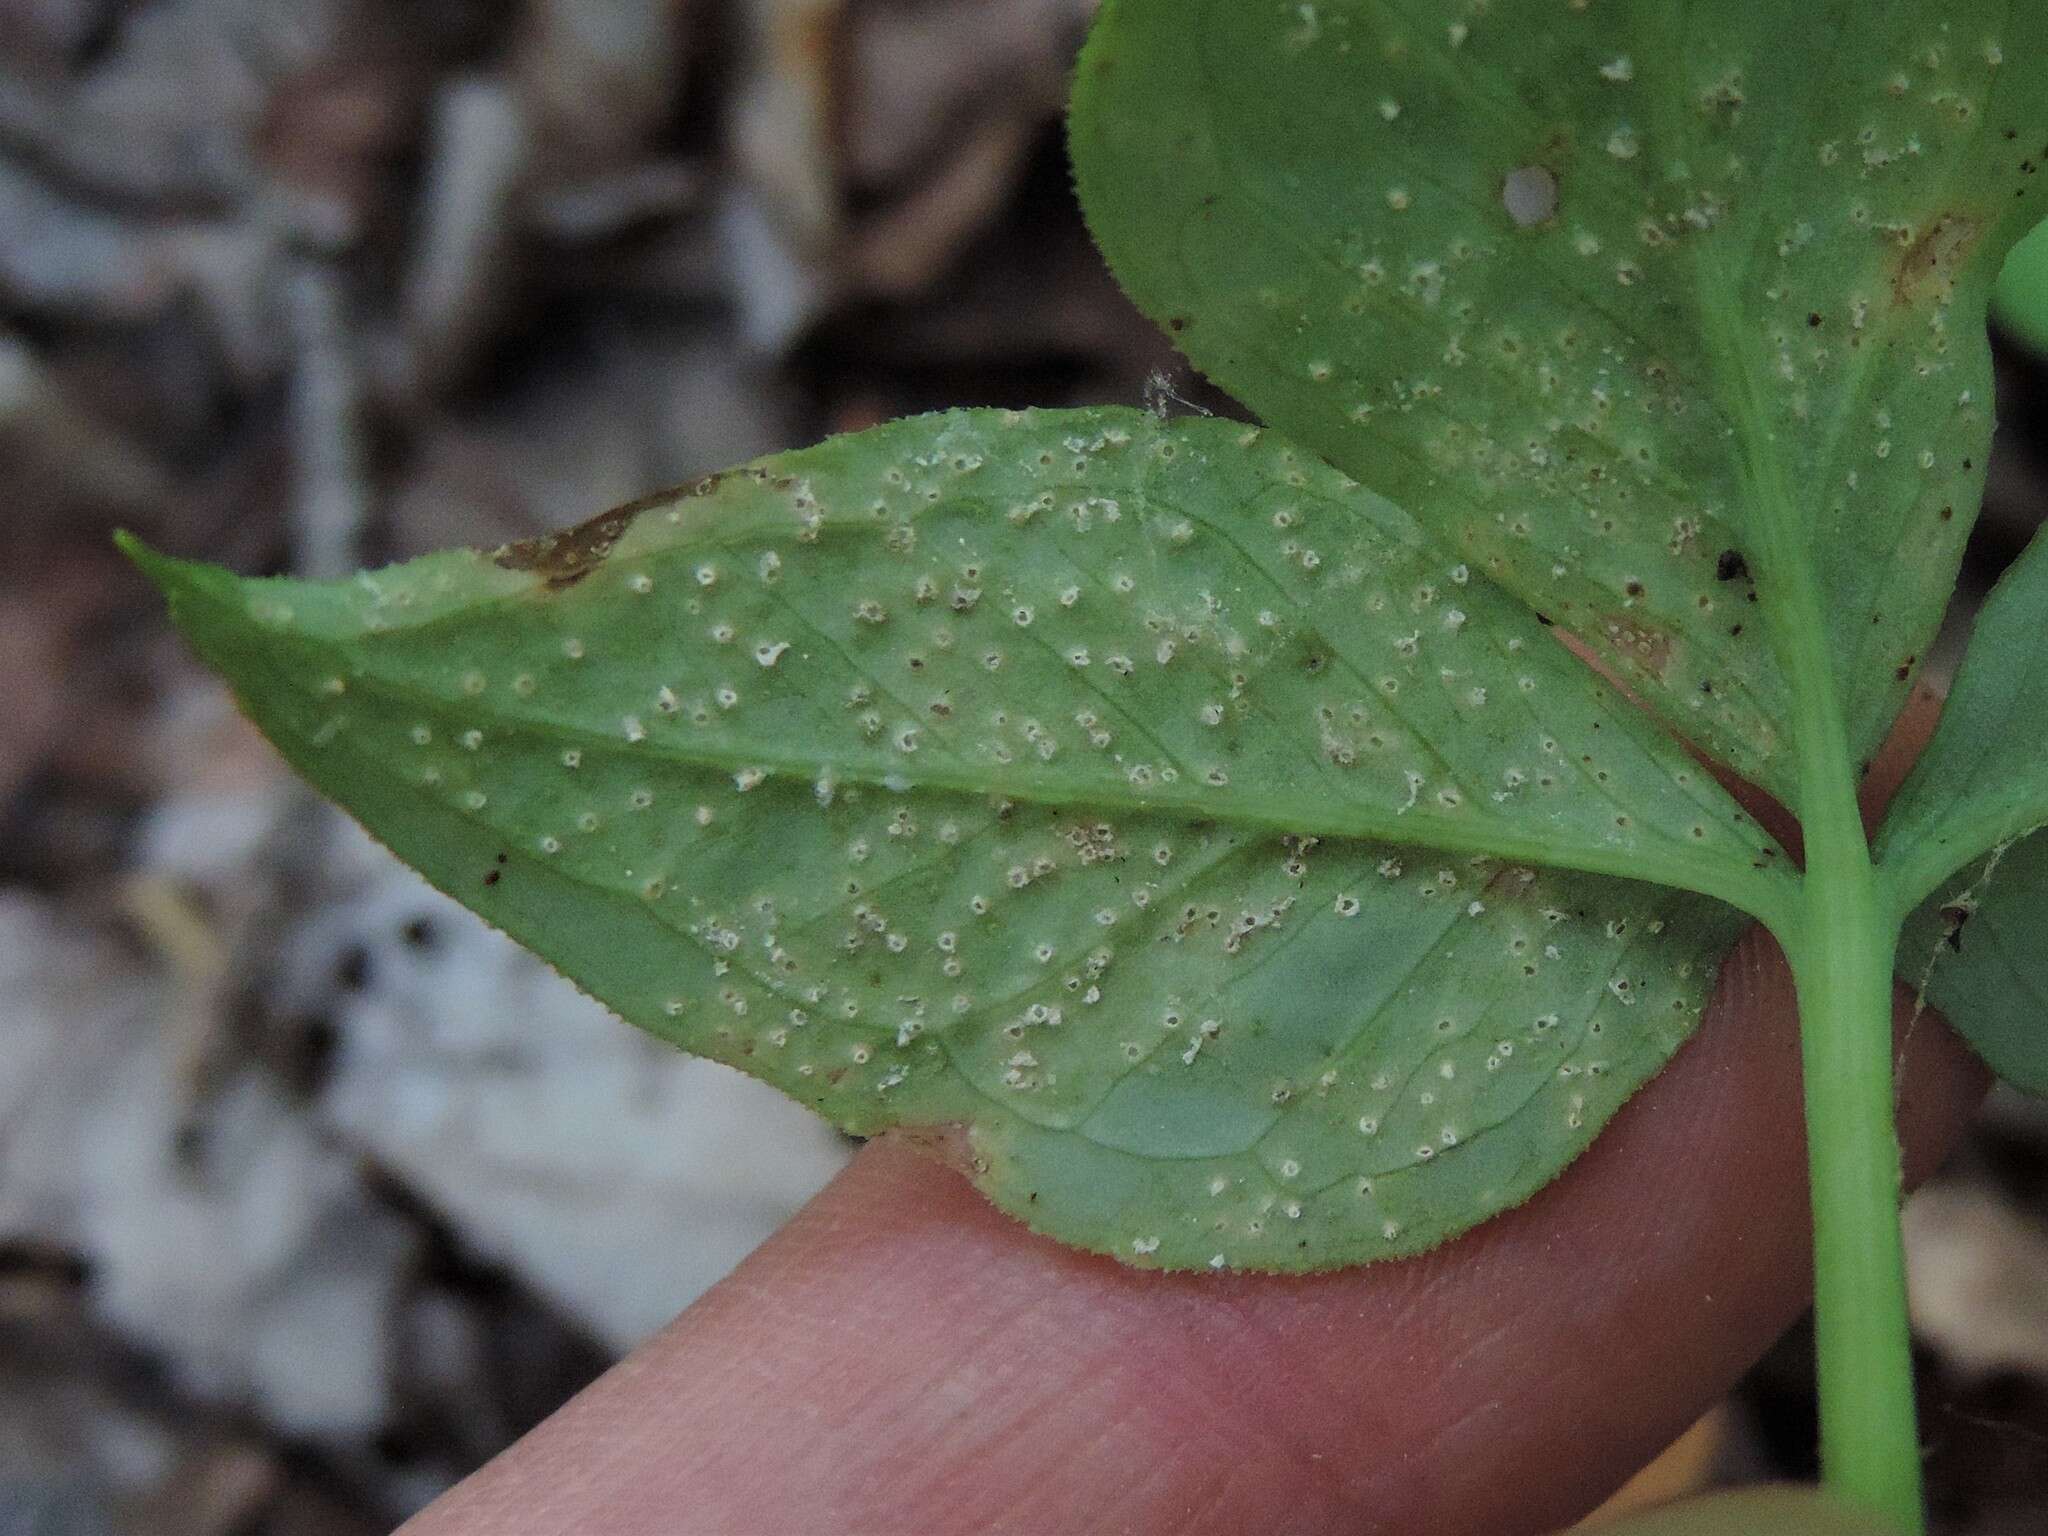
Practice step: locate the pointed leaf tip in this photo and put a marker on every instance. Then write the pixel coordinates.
(1071, 778)
(152, 563)
(176, 579)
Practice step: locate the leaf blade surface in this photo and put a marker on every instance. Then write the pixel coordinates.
(1973, 950)
(1666, 327)
(1960, 843)
(1982, 781)
(1054, 776)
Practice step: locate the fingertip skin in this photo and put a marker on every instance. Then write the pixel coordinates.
(903, 1358)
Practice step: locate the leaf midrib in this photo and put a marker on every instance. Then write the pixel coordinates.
(1741, 884)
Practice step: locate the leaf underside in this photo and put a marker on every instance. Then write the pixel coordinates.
(1974, 951)
(2020, 302)
(1973, 948)
(1231, 856)
(1982, 779)
(1651, 317)
(1057, 777)
(1623, 300)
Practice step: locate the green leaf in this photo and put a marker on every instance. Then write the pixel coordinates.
(1147, 800)
(2020, 301)
(1982, 780)
(1976, 794)
(1639, 307)
(1974, 950)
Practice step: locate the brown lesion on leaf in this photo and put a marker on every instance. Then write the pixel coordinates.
(1642, 646)
(951, 1143)
(562, 559)
(1927, 267)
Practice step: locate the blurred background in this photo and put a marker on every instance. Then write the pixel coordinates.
(314, 1194)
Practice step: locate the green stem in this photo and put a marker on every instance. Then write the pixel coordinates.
(1841, 946)
(1842, 962)
(1841, 950)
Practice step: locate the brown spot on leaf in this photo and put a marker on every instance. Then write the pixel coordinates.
(951, 1144)
(562, 559)
(1652, 650)
(1926, 272)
